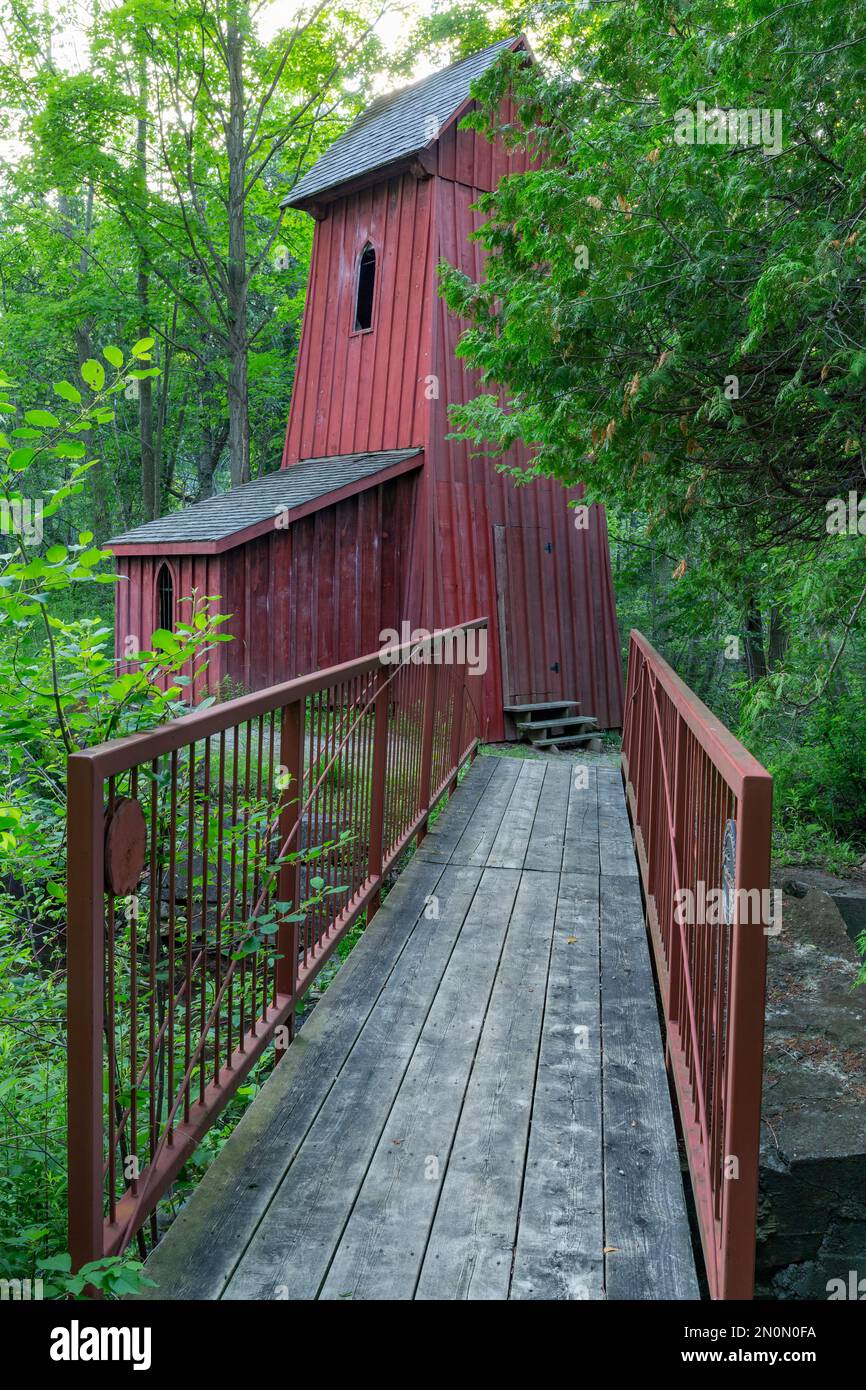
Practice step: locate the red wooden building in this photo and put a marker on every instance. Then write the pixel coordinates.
(376, 518)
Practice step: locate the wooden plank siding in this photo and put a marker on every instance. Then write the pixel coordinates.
(325, 588)
(137, 605)
(311, 595)
(365, 391)
(478, 1107)
(561, 582)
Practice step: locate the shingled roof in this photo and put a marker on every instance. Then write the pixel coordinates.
(220, 518)
(396, 126)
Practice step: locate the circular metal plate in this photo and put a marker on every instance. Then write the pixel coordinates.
(125, 847)
(729, 870)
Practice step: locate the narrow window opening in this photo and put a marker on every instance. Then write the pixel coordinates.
(366, 282)
(165, 598)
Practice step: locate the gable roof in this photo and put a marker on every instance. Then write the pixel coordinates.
(228, 518)
(397, 126)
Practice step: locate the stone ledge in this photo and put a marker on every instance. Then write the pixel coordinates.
(812, 1211)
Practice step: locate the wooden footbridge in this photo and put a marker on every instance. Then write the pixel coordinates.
(479, 1106)
(467, 1114)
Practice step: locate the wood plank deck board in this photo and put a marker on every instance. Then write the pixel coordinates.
(649, 1252)
(511, 843)
(380, 1251)
(289, 1255)
(560, 1241)
(615, 847)
(477, 839)
(477, 1108)
(580, 847)
(544, 851)
(442, 837)
(469, 1252)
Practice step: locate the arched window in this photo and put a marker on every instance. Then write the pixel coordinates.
(366, 283)
(165, 598)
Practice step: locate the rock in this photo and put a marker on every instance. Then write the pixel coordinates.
(849, 895)
(795, 889)
(812, 1211)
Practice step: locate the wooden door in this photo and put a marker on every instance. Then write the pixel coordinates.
(528, 613)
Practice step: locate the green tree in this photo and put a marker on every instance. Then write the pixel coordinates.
(148, 202)
(679, 325)
(672, 312)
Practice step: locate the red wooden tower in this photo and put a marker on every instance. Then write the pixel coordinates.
(376, 518)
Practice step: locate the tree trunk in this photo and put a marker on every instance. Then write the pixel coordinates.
(239, 427)
(212, 447)
(151, 490)
(84, 350)
(238, 386)
(778, 637)
(163, 385)
(756, 662)
(172, 452)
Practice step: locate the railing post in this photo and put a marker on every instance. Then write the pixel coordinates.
(678, 856)
(628, 713)
(85, 975)
(427, 714)
(292, 737)
(377, 791)
(746, 1042)
(457, 721)
(638, 703)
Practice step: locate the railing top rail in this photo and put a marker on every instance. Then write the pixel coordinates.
(734, 762)
(132, 750)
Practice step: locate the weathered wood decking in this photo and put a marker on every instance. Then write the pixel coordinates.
(478, 1107)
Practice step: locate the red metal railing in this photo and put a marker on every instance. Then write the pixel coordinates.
(248, 838)
(701, 810)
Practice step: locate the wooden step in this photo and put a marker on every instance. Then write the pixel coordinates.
(537, 709)
(564, 740)
(560, 722)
